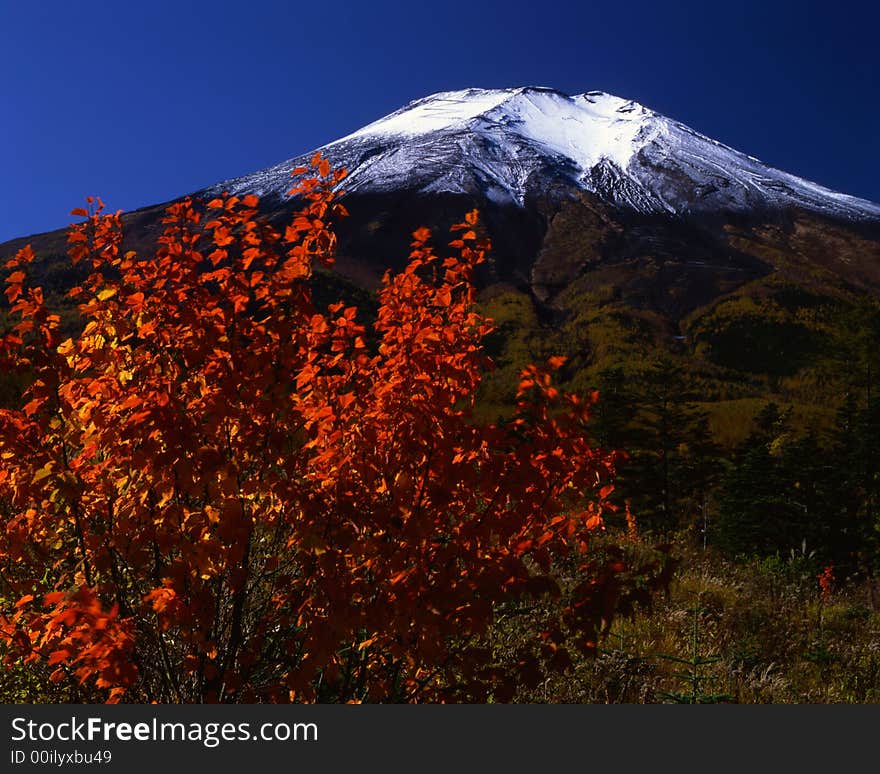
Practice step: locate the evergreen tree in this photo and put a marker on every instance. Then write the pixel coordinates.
(754, 512)
(697, 474)
(673, 460)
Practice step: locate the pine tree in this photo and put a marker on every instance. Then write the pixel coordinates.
(753, 511)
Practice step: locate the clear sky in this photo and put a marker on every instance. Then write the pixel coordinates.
(140, 102)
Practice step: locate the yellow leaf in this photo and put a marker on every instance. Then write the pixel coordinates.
(106, 293)
(42, 473)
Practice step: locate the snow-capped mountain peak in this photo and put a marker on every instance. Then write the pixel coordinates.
(513, 144)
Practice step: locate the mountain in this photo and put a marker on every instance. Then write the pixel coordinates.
(620, 238)
(511, 145)
(567, 183)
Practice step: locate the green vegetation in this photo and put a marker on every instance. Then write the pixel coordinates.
(692, 408)
(752, 441)
(692, 675)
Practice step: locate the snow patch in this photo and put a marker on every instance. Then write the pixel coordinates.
(431, 114)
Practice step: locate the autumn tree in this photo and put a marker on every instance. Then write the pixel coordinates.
(219, 492)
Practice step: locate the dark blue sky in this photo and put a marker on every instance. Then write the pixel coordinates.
(144, 101)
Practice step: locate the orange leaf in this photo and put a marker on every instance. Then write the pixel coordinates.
(421, 235)
(56, 657)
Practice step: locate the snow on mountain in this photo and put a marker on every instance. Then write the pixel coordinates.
(513, 144)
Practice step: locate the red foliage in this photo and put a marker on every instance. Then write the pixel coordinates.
(826, 583)
(218, 492)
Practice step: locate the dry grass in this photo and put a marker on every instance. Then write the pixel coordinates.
(775, 639)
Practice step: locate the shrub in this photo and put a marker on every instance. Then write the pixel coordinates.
(219, 492)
